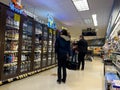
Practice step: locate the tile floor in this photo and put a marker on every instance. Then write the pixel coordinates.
(91, 78)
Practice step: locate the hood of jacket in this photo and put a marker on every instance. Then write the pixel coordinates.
(66, 38)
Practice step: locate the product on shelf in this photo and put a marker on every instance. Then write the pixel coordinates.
(115, 85)
(112, 51)
(110, 68)
(26, 46)
(109, 77)
(38, 46)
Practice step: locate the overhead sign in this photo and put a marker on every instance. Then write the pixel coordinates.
(51, 22)
(89, 32)
(16, 6)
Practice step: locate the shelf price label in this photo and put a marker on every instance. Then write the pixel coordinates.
(50, 31)
(54, 32)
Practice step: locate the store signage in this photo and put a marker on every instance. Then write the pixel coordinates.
(89, 32)
(12, 7)
(51, 22)
(16, 6)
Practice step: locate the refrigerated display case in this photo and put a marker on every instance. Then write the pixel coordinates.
(38, 46)
(53, 48)
(1, 64)
(50, 42)
(27, 44)
(23, 45)
(9, 42)
(45, 46)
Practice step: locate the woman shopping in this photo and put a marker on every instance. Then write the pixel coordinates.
(62, 49)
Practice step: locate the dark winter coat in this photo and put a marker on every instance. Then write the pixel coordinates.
(62, 46)
(82, 46)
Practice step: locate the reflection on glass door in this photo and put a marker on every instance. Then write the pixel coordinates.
(11, 43)
(50, 48)
(38, 46)
(45, 43)
(53, 47)
(26, 53)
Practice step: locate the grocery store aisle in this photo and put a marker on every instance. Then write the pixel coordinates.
(89, 79)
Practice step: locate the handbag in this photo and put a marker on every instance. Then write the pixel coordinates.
(72, 65)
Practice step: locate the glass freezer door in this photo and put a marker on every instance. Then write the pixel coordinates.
(53, 50)
(50, 48)
(38, 46)
(45, 46)
(26, 53)
(11, 43)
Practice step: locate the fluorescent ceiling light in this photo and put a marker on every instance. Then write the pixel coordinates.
(96, 30)
(115, 29)
(81, 5)
(94, 16)
(117, 18)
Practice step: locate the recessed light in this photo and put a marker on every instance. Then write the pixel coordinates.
(94, 16)
(81, 5)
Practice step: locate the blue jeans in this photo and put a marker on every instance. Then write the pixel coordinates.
(74, 56)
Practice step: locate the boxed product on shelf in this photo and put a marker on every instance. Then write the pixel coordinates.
(9, 58)
(110, 68)
(111, 76)
(115, 85)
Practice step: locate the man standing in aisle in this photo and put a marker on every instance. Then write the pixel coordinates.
(82, 50)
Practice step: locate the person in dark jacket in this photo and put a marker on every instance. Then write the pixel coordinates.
(62, 49)
(82, 50)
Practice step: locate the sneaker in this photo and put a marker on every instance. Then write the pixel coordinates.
(82, 69)
(63, 81)
(58, 81)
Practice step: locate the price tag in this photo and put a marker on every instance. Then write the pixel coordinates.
(50, 31)
(118, 57)
(54, 32)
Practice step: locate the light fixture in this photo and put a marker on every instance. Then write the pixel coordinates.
(81, 5)
(115, 29)
(117, 18)
(94, 16)
(96, 29)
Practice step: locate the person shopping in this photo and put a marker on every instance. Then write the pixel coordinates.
(62, 49)
(82, 50)
(74, 49)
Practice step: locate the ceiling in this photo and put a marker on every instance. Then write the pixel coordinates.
(65, 12)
